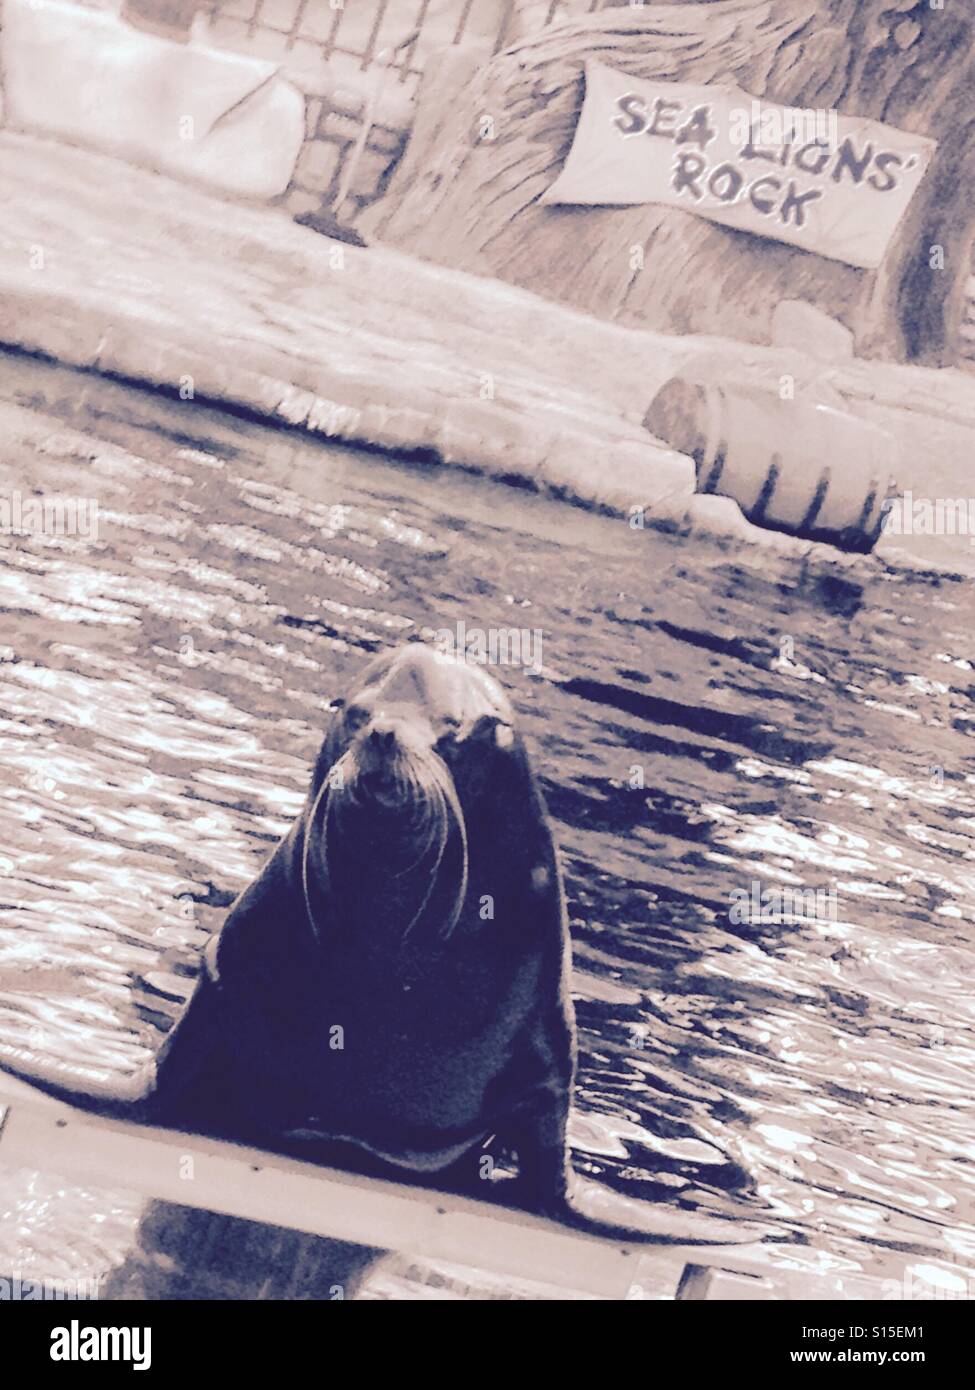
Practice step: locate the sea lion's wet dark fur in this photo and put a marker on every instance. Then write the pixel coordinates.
(367, 996)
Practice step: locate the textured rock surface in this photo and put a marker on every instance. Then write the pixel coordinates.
(471, 198)
(803, 327)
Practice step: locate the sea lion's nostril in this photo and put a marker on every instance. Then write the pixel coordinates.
(382, 735)
(356, 716)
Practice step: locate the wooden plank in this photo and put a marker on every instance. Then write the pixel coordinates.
(712, 1281)
(40, 1133)
(703, 1282)
(717, 1258)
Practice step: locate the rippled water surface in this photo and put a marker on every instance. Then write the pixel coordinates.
(701, 722)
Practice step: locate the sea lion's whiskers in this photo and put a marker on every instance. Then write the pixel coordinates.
(341, 778)
(316, 806)
(428, 801)
(443, 797)
(423, 787)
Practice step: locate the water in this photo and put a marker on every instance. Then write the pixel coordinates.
(701, 722)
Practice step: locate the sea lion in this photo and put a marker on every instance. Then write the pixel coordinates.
(396, 979)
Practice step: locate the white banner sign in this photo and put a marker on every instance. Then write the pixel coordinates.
(835, 185)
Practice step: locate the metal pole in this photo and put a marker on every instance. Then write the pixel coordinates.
(355, 154)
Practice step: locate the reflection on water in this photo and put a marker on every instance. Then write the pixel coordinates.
(701, 724)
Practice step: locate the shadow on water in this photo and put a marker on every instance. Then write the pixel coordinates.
(183, 1253)
(702, 723)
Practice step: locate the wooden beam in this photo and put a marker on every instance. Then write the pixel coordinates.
(704, 1282)
(40, 1133)
(43, 1134)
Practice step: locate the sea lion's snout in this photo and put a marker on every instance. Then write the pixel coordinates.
(387, 736)
(380, 744)
(382, 736)
(389, 758)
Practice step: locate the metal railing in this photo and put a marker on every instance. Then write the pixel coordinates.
(372, 31)
(560, 9)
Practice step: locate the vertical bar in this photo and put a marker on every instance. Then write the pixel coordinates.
(370, 52)
(500, 41)
(465, 15)
(296, 23)
(329, 44)
(255, 16)
(410, 49)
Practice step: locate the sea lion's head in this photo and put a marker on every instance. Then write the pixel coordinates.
(411, 754)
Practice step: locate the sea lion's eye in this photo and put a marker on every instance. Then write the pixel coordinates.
(446, 744)
(482, 731)
(355, 716)
(490, 729)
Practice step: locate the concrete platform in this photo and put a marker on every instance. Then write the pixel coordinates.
(113, 269)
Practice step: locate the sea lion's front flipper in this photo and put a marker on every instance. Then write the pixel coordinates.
(535, 1136)
(197, 1043)
(267, 915)
(82, 1084)
(597, 1209)
(257, 951)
